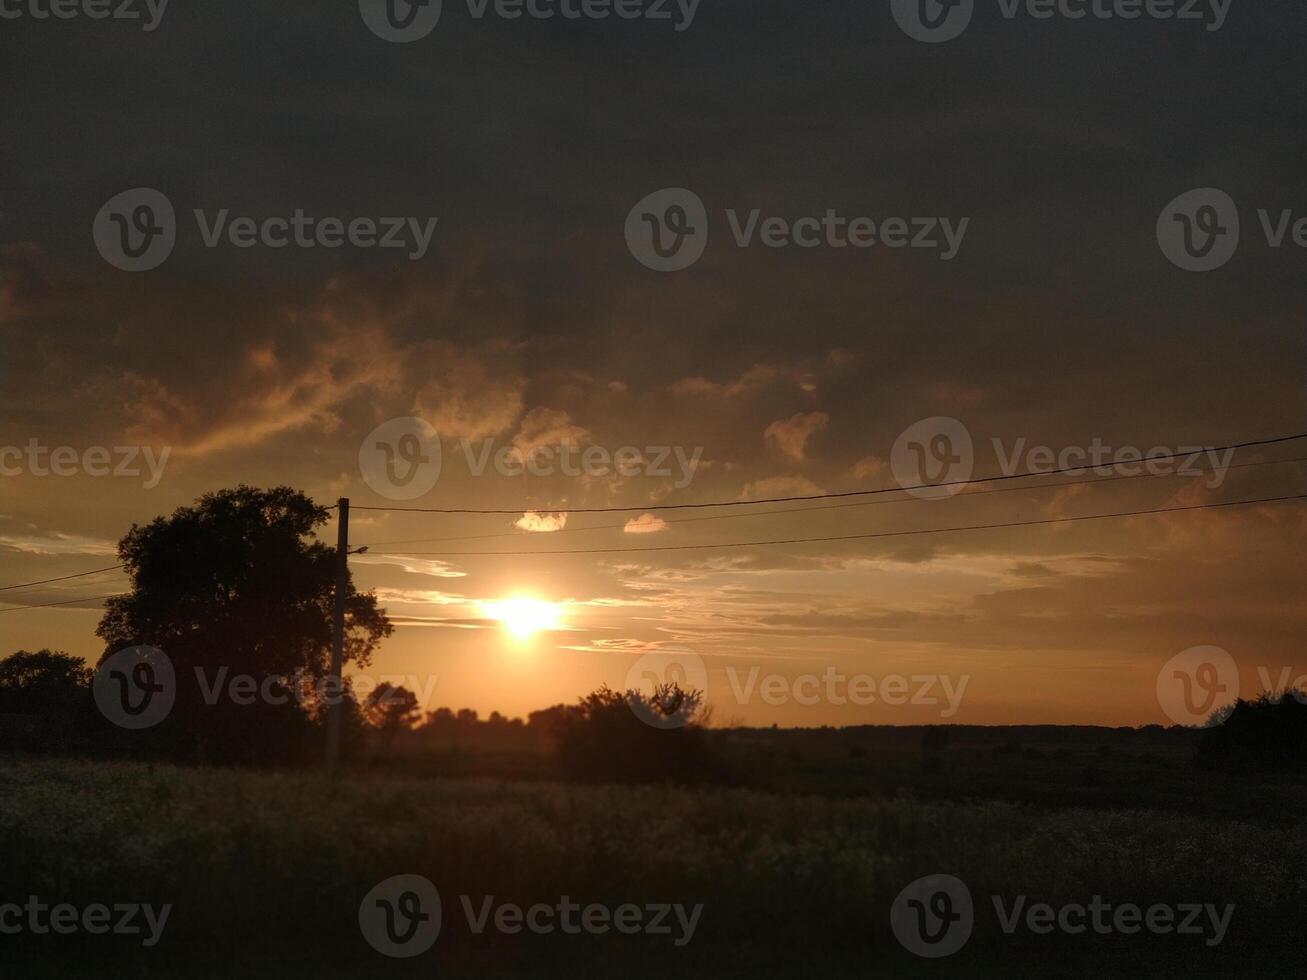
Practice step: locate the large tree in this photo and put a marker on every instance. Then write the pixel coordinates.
(237, 584)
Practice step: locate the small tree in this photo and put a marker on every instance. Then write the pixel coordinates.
(391, 709)
(549, 721)
(42, 682)
(45, 702)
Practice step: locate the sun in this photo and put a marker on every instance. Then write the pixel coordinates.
(524, 616)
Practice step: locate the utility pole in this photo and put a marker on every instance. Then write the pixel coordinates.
(335, 685)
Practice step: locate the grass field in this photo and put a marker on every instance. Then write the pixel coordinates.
(266, 872)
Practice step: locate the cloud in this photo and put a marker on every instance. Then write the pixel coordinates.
(867, 466)
(791, 435)
(472, 397)
(418, 566)
(543, 523)
(267, 394)
(548, 427)
(950, 394)
(645, 524)
(421, 597)
(780, 486)
(751, 380)
(58, 544)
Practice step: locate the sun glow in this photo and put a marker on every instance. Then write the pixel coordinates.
(524, 617)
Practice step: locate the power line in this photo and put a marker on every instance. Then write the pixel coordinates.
(809, 510)
(846, 537)
(65, 578)
(771, 513)
(66, 602)
(831, 496)
(61, 578)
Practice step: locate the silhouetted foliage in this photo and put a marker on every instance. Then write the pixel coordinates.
(45, 701)
(1268, 734)
(390, 709)
(549, 722)
(629, 737)
(238, 586)
(42, 682)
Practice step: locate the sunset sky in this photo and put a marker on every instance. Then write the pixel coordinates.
(529, 323)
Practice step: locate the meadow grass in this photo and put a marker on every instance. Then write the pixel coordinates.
(266, 871)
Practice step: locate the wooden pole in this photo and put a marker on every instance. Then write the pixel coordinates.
(335, 684)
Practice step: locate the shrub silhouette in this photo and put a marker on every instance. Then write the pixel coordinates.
(390, 709)
(42, 682)
(1265, 735)
(630, 737)
(44, 700)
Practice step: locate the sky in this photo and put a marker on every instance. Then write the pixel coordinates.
(1053, 318)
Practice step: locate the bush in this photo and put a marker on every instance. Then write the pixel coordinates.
(628, 737)
(1268, 734)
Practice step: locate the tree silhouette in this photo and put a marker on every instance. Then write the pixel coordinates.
(238, 585)
(1265, 734)
(391, 709)
(630, 737)
(45, 701)
(41, 682)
